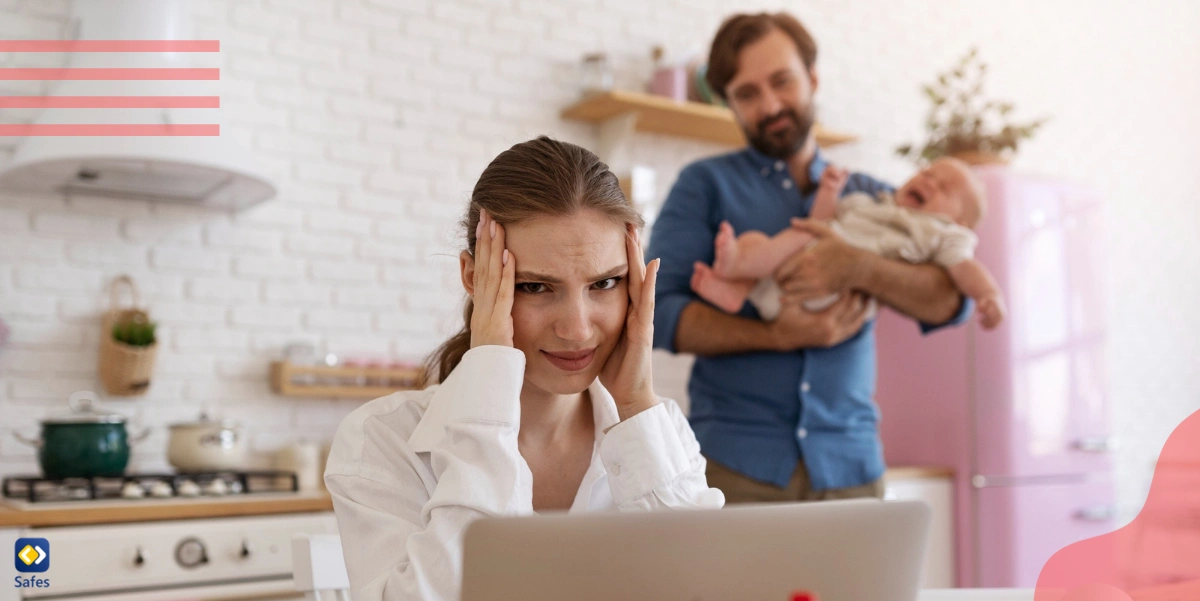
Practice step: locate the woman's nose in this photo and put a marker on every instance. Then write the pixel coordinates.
(574, 321)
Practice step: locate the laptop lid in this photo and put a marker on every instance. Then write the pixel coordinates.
(858, 550)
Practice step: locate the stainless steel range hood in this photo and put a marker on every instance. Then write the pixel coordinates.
(204, 170)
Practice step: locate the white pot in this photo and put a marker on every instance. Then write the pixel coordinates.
(208, 446)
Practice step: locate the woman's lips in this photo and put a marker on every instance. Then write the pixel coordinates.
(571, 361)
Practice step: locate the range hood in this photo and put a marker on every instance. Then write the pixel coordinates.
(203, 170)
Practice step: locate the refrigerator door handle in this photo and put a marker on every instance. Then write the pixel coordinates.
(1097, 513)
(1096, 444)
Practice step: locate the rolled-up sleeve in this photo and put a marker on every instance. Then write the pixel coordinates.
(683, 234)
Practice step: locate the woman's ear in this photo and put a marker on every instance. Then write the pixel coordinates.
(466, 266)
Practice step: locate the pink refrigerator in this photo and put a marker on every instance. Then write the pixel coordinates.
(1022, 412)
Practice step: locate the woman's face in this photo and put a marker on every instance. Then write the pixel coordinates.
(571, 297)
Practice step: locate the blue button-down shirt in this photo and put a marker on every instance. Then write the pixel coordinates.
(760, 413)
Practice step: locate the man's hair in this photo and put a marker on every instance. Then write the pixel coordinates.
(741, 30)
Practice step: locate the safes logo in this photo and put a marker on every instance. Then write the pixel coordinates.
(32, 555)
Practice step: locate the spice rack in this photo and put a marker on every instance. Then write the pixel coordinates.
(342, 381)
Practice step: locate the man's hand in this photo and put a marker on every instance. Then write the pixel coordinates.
(796, 328)
(827, 266)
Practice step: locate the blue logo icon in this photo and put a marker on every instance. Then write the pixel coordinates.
(32, 555)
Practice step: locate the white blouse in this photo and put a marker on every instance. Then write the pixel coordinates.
(409, 471)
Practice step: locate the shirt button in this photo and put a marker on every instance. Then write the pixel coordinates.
(779, 165)
(766, 171)
(805, 387)
(787, 184)
(616, 470)
(802, 433)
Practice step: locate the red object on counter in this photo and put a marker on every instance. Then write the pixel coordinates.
(803, 596)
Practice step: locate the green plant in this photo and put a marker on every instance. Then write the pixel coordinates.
(134, 333)
(961, 121)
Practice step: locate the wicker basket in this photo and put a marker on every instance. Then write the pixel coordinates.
(125, 370)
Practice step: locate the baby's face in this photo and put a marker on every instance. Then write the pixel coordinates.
(941, 188)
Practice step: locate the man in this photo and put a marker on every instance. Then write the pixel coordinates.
(783, 410)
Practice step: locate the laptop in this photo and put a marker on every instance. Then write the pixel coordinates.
(857, 550)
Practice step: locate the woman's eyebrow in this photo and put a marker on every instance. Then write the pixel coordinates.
(529, 276)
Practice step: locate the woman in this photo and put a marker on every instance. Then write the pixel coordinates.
(546, 399)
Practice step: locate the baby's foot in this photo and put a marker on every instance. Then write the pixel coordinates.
(727, 295)
(726, 250)
(833, 179)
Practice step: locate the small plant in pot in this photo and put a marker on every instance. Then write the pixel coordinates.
(135, 333)
(962, 124)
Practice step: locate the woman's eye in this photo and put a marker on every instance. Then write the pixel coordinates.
(531, 287)
(607, 283)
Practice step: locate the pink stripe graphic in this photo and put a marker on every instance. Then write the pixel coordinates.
(117, 129)
(110, 46)
(110, 102)
(109, 74)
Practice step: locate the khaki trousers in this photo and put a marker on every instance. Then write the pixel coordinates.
(742, 489)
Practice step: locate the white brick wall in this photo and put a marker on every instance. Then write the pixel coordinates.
(378, 116)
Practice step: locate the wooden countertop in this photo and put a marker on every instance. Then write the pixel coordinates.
(110, 512)
(913, 472)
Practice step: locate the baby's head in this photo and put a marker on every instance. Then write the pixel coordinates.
(946, 187)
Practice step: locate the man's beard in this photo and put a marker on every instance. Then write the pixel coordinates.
(783, 144)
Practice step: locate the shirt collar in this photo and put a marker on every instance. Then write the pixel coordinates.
(767, 165)
(432, 427)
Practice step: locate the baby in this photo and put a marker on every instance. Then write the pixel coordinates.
(929, 220)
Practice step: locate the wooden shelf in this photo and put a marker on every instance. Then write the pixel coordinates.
(660, 115)
(342, 381)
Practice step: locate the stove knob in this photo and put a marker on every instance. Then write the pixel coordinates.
(190, 553)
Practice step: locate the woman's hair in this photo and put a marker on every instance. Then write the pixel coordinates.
(739, 31)
(538, 178)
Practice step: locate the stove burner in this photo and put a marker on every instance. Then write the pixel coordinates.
(148, 486)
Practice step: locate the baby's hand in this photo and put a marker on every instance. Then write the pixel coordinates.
(991, 311)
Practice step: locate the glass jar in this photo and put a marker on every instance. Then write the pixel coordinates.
(595, 74)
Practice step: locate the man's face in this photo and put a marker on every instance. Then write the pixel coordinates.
(771, 95)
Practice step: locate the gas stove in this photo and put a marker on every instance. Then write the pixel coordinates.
(132, 487)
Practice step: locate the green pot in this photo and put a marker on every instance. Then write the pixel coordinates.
(83, 443)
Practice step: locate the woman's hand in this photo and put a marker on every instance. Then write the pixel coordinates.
(492, 292)
(627, 374)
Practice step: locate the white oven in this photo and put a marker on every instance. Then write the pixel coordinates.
(226, 559)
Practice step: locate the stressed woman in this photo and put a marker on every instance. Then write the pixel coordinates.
(545, 401)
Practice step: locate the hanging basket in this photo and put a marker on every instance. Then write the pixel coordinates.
(125, 369)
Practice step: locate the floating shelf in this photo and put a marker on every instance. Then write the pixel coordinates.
(660, 115)
(343, 381)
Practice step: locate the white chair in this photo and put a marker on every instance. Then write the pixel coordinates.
(318, 566)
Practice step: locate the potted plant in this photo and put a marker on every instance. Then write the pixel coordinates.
(128, 345)
(962, 124)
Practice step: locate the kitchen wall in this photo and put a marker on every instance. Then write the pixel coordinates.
(376, 116)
